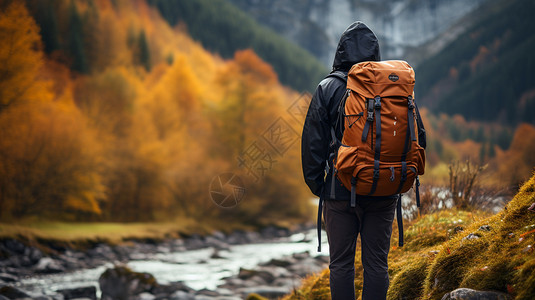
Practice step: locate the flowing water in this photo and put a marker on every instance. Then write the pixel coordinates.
(195, 268)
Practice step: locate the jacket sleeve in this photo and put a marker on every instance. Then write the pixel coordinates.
(315, 142)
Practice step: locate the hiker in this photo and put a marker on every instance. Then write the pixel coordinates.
(372, 216)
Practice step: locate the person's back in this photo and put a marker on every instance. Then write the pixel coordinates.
(372, 217)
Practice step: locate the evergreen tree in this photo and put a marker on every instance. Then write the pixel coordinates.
(144, 53)
(76, 41)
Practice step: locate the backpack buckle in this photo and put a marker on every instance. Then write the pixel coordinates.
(375, 174)
(377, 102)
(411, 102)
(369, 116)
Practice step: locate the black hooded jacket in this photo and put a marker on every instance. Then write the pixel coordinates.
(357, 44)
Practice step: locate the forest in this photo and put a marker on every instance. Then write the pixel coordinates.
(485, 73)
(108, 113)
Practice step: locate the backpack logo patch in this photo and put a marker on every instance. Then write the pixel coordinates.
(393, 77)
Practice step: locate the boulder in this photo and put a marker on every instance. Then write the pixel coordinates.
(121, 283)
(88, 292)
(469, 294)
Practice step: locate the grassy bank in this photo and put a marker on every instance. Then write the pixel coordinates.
(453, 249)
(81, 235)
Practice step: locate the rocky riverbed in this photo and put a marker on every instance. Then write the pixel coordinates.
(270, 263)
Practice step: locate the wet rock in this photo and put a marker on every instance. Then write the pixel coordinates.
(12, 293)
(5, 277)
(181, 295)
(253, 237)
(278, 262)
(88, 292)
(273, 232)
(210, 241)
(305, 267)
(300, 256)
(324, 259)
(246, 274)
(103, 252)
(146, 296)
(194, 242)
(216, 255)
(122, 283)
(206, 292)
(532, 207)
(219, 235)
(13, 246)
(50, 298)
(469, 294)
(167, 289)
(47, 265)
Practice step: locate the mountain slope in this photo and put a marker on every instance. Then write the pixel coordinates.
(224, 29)
(487, 73)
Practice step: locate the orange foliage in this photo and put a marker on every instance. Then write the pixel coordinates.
(20, 58)
(123, 143)
(517, 164)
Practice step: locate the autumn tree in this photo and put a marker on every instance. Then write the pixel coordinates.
(249, 102)
(20, 58)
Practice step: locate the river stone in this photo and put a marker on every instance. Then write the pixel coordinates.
(12, 293)
(7, 277)
(206, 292)
(121, 283)
(469, 294)
(167, 289)
(50, 298)
(181, 295)
(48, 265)
(89, 292)
(278, 262)
(146, 296)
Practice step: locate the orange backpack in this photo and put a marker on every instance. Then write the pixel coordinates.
(379, 153)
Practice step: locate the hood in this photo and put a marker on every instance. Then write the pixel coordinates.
(358, 43)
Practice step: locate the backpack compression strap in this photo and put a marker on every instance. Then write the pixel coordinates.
(377, 106)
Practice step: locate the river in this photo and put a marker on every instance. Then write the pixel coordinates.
(196, 268)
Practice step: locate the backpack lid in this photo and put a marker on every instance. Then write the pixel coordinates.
(381, 78)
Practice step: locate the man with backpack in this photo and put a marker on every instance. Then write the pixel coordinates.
(353, 205)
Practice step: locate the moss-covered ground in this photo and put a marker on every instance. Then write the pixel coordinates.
(451, 249)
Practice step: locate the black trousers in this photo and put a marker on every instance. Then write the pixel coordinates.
(373, 220)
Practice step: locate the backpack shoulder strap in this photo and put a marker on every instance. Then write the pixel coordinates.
(338, 74)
